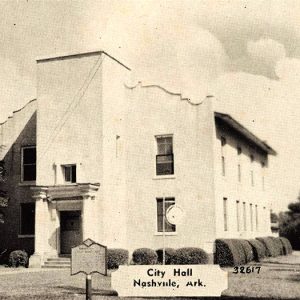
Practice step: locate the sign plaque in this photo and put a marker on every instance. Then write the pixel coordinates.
(88, 258)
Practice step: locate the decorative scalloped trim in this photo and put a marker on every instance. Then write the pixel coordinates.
(140, 84)
(16, 111)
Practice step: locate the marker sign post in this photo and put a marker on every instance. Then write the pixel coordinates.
(174, 216)
(88, 258)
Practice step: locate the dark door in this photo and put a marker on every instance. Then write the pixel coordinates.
(70, 230)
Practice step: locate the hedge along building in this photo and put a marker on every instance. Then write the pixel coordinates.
(107, 156)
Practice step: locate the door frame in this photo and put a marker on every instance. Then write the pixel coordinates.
(59, 230)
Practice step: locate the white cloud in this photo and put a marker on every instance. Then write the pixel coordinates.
(267, 50)
(16, 89)
(181, 56)
(288, 70)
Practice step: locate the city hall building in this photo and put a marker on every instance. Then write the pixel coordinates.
(93, 157)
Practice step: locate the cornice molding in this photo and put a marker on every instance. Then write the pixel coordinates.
(78, 191)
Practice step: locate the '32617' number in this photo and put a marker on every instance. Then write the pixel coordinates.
(246, 270)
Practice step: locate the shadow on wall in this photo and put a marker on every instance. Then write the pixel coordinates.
(17, 194)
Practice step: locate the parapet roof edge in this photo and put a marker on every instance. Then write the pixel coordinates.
(18, 110)
(230, 121)
(66, 55)
(140, 84)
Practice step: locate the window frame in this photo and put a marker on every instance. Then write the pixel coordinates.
(225, 213)
(170, 199)
(22, 165)
(159, 155)
(238, 217)
(251, 217)
(223, 142)
(256, 217)
(64, 167)
(244, 217)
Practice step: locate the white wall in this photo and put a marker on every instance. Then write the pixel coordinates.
(153, 111)
(228, 186)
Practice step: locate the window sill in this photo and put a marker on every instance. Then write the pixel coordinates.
(24, 236)
(27, 183)
(166, 233)
(159, 177)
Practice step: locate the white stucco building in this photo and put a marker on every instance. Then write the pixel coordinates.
(107, 154)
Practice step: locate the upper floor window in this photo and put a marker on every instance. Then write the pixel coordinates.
(239, 150)
(69, 172)
(28, 172)
(165, 156)
(223, 143)
(251, 170)
(239, 173)
(263, 175)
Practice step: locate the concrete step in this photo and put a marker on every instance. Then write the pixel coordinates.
(57, 262)
(58, 259)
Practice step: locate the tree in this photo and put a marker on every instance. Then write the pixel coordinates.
(289, 224)
(3, 194)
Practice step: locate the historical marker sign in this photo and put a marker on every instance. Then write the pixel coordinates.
(88, 258)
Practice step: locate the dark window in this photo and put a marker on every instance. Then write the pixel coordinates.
(223, 141)
(251, 216)
(162, 207)
(29, 164)
(164, 157)
(70, 173)
(225, 214)
(238, 215)
(223, 166)
(27, 218)
(239, 173)
(239, 150)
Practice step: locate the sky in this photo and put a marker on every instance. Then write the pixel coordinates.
(245, 53)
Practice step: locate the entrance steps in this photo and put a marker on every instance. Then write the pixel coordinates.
(57, 263)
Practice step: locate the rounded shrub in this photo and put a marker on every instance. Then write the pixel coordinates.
(169, 254)
(259, 249)
(249, 255)
(287, 247)
(18, 258)
(144, 256)
(189, 256)
(277, 244)
(229, 253)
(116, 257)
(224, 253)
(272, 247)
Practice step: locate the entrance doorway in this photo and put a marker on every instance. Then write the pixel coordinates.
(70, 230)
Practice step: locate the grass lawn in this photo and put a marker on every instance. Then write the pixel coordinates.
(275, 281)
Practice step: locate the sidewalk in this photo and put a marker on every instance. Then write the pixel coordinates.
(292, 259)
(8, 271)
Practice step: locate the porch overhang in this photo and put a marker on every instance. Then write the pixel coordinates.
(77, 191)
